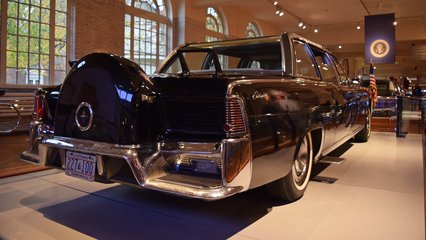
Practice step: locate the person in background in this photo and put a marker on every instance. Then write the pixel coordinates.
(417, 91)
(406, 83)
(406, 87)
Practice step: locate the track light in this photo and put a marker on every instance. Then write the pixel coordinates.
(316, 30)
(277, 12)
(275, 3)
(304, 27)
(300, 24)
(281, 13)
(358, 27)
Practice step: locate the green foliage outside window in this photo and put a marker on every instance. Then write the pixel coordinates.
(30, 43)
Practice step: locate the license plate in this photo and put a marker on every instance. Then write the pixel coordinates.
(80, 165)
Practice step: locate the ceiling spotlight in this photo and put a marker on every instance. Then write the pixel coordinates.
(304, 27)
(277, 12)
(316, 30)
(358, 27)
(275, 3)
(300, 24)
(281, 13)
(395, 23)
(340, 46)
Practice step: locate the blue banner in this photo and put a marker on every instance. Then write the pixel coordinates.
(380, 38)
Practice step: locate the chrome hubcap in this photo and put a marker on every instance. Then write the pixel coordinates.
(300, 165)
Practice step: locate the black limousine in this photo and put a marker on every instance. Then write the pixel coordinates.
(216, 119)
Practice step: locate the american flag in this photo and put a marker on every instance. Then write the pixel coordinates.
(373, 87)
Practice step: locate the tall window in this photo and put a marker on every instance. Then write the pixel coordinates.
(214, 26)
(36, 41)
(146, 33)
(252, 30)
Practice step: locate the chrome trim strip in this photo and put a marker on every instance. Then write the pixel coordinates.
(231, 86)
(340, 142)
(283, 51)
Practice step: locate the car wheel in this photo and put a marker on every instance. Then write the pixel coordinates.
(292, 186)
(365, 133)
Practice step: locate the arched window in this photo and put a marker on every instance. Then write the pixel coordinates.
(36, 42)
(146, 33)
(252, 30)
(214, 26)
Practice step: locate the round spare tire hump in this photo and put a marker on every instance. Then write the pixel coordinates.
(99, 100)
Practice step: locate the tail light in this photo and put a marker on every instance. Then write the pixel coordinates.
(237, 152)
(41, 110)
(235, 121)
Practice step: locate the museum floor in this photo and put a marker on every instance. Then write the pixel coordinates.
(378, 195)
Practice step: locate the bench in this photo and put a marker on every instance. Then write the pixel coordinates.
(16, 109)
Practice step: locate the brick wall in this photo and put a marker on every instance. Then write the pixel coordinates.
(99, 27)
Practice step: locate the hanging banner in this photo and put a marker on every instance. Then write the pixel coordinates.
(380, 38)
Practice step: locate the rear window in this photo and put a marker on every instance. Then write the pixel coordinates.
(254, 58)
(266, 56)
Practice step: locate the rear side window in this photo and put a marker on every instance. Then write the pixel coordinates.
(304, 64)
(325, 65)
(342, 73)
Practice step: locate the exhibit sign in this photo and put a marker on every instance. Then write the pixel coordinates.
(380, 38)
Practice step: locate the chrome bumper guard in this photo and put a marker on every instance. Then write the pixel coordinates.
(150, 164)
(38, 131)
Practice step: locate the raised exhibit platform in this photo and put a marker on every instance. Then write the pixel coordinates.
(378, 194)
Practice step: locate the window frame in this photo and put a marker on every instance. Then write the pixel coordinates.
(311, 56)
(343, 76)
(336, 78)
(153, 17)
(252, 27)
(215, 35)
(51, 55)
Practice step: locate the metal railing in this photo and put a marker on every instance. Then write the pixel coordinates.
(16, 109)
(10, 118)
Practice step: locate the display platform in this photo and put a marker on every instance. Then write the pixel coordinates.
(378, 194)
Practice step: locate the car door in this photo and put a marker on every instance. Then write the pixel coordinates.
(305, 68)
(346, 102)
(360, 99)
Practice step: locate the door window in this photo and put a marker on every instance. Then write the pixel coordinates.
(304, 65)
(325, 65)
(342, 73)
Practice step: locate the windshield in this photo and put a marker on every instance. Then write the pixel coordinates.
(253, 57)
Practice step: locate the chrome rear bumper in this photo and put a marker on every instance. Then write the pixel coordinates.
(157, 166)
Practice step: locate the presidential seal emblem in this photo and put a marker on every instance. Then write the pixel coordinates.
(84, 116)
(379, 48)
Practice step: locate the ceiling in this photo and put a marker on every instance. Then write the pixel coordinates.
(336, 21)
(332, 15)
